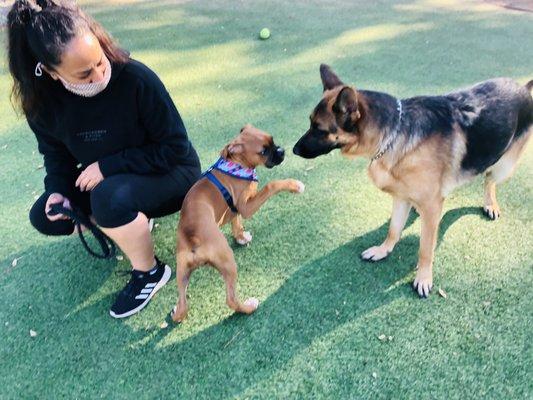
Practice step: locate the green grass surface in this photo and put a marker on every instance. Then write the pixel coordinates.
(315, 334)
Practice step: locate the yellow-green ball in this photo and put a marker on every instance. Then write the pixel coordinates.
(264, 34)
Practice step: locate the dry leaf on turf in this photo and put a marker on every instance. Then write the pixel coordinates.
(33, 333)
(164, 325)
(15, 261)
(443, 293)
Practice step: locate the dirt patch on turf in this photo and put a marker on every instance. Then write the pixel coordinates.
(519, 5)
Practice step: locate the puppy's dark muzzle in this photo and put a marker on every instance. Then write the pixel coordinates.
(276, 157)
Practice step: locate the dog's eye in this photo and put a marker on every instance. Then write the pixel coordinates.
(263, 152)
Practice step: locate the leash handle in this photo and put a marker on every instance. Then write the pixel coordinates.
(79, 218)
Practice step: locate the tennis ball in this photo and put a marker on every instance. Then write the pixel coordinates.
(264, 34)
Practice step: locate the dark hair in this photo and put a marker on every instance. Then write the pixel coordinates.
(39, 31)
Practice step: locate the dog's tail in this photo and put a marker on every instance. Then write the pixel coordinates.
(529, 86)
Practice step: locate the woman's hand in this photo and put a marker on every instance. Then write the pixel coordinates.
(90, 177)
(55, 198)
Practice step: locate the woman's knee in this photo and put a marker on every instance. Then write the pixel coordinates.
(40, 221)
(111, 204)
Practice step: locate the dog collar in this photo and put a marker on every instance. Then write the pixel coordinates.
(389, 143)
(231, 168)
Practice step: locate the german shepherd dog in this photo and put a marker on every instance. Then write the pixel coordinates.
(421, 148)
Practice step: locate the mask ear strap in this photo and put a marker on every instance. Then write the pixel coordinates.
(38, 69)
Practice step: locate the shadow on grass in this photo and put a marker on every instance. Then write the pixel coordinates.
(322, 295)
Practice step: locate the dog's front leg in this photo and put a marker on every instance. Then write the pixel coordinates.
(400, 213)
(430, 215)
(241, 236)
(249, 204)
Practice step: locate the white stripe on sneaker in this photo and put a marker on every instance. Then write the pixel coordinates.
(142, 296)
(150, 285)
(158, 285)
(147, 291)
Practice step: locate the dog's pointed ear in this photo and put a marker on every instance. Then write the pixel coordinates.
(329, 79)
(346, 102)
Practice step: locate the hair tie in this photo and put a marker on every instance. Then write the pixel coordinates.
(38, 69)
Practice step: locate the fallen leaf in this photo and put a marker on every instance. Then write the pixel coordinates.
(33, 333)
(120, 258)
(443, 293)
(15, 261)
(164, 325)
(156, 226)
(309, 168)
(390, 338)
(40, 167)
(374, 375)
(382, 337)
(4, 147)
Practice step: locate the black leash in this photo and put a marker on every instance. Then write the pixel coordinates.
(79, 218)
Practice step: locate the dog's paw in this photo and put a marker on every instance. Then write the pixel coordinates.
(301, 186)
(296, 186)
(177, 318)
(492, 211)
(251, 304)
(375, 253)
(423, 282)
(244, 238)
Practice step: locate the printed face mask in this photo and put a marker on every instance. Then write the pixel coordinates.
(89, 89)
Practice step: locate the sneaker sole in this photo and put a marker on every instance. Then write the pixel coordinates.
(164, 279)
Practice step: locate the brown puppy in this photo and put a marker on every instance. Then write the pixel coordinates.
(208, 205)
(423, 147)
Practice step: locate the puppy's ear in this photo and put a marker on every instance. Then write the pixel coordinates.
(232, 149)
(346, 102)
(247, 126)
(329, 79)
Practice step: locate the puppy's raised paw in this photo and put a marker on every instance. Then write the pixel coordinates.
(295, 186)
(244, 238)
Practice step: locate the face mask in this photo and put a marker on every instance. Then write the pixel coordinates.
(89, 89)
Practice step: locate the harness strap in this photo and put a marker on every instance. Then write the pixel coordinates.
(223, 191)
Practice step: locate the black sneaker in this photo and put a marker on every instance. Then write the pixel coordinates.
(139, 290)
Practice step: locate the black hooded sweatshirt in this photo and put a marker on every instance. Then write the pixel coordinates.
(130, 127)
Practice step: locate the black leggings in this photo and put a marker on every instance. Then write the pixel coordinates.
(117, 200)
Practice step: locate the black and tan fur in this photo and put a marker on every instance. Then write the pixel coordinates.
(419, 155)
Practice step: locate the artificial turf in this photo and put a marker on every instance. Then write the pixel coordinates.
(323, 311)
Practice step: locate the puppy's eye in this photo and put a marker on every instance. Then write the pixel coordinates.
(263, 152)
